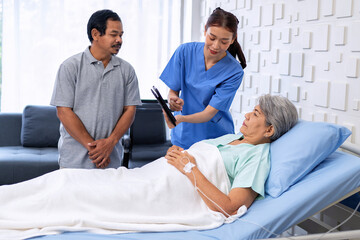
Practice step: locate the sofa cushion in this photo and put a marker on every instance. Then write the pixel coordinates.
(22, 163)
(40, 126)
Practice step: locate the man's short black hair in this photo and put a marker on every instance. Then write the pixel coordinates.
(98, 21)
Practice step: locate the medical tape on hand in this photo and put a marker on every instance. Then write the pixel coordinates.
(188, 166)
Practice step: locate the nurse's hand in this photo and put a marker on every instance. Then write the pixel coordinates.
(176, 103)
(179, 119)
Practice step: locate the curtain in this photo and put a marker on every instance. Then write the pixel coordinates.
(38, 35)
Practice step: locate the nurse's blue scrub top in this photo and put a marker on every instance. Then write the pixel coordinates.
(185, 72)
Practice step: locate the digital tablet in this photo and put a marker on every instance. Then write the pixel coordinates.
(162, 103)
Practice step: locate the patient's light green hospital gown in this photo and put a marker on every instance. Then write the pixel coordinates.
(247, 165)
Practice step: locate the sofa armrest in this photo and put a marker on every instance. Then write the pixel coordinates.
(10, 129)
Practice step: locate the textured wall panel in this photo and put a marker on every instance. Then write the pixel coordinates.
(241, 88)
(237, 120)
(296, 31)
(268, 14)
(338, 93)
(306, 40)
(240, 4)
(312, 10)
(339, 35)
(276, 83)
(284, 62)
(289, 18)
(286, 35)
(325, 66)
(321, 38)
(256, 37)
(327, 7)
(294, 93)
(354, 36)
(299, 110)
(275, 56)
(308, 116)
(266, 40)
(351, 127)
(352, 67)
(356, 105)
(344, 8)
(297, 64)
(338, 57)
(320, 116)
(333, 118)
(236, 106)
(321, 93)
(255, 61)
(256, 18)
(241, 38)
(303, 95)
(309, 73)
(248, 81)
(229, 5)
(279, 11)
(265, 84)
(248, 4)
(296, 17)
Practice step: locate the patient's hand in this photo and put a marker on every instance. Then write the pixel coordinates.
(179, 159)
(172, 148)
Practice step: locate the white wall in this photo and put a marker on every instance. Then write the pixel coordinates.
(306, 50)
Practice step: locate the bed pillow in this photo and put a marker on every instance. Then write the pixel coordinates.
(40, 126)
(299, 151)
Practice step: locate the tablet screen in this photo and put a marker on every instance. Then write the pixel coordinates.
(163, 104)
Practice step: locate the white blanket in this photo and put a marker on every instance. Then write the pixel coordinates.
(156, 197)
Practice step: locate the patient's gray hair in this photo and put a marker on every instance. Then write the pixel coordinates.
(279, 112)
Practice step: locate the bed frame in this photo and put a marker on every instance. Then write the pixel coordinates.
(334, 214)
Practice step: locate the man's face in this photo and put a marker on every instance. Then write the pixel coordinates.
(111, 41)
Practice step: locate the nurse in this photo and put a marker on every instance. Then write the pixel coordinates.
(203, 78)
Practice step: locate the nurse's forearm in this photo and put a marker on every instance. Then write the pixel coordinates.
(200, 117)
(173, 93)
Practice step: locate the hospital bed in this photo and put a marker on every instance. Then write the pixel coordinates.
(330, 181)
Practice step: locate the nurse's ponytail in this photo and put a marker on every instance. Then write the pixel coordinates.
(222, 18)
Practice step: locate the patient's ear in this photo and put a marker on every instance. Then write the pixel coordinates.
(269, 131)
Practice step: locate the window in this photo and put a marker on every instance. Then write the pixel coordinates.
(40, 35)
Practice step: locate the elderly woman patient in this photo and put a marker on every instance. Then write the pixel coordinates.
(246, 158)
(198, 188)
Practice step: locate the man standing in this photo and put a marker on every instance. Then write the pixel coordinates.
(96, 94)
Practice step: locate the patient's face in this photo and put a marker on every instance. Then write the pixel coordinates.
(254, 127)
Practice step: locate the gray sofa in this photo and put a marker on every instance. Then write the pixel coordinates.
(28, 143)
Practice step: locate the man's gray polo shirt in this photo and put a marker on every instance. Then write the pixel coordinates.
(97, 96)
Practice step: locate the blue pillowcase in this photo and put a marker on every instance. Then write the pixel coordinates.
(299, 151)
(40, 126)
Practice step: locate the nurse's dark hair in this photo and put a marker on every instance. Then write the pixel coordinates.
(98, 21)
(227, 20)
(279, 112)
